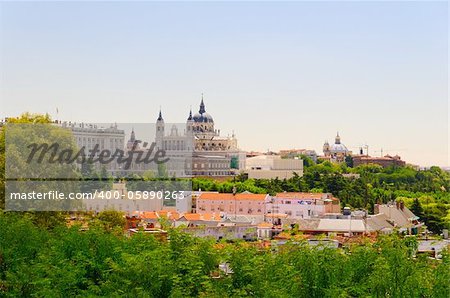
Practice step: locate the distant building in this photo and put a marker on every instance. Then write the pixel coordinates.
(90, 135)
(299, 205)
(212, 154)
(184, 204)
(253, 153)
(399, 216)
(231, 205)
(292, 153)
(384, 161)
(335, 152)
(386, 219)
(273, 166)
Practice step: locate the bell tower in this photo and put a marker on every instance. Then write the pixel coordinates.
(159, 131)
(189, 132)
(337, 140)
(326, 148)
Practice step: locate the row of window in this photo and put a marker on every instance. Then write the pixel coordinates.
(221, 165)
(297, 213)
(230, 209)
(232, 202)
(174, 145)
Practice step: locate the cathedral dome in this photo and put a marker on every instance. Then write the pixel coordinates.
(338, 148)
(204, 118)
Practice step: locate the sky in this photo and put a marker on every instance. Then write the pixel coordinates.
(280, 75)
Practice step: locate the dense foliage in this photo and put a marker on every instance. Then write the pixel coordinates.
(359, 187)
(68, 261)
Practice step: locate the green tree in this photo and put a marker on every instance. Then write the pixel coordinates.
(416, 208)
(307, 161)
(111, 220)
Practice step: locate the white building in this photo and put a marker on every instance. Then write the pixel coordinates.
(183, 204)
(301, 205)
(89, 135)
(273, 166)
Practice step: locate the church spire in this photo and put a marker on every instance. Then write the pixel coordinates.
(190, 115)
(202, 106)
(338, 139)
(133, 136)
(160, 118)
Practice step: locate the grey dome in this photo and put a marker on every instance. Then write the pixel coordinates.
(204, 118)
(338, 148)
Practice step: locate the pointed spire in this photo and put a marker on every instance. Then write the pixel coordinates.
(190, 115)
(160, 118)
(338, 139)
(133, 136)
(202, 106)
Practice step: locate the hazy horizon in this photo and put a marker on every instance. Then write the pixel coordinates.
(280, 75)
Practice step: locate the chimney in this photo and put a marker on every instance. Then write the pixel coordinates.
(402, 205)
(376, 209)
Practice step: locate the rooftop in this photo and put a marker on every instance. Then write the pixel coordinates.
(230, 196)
(305, 195)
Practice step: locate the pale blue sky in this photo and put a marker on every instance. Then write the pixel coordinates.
(281, 75)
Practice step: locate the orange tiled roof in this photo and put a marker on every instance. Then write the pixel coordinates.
(265, 225)
(192, 216)
(197, 216)
(173, 215)
(230, 196)
(149, 215)
(210, 216)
